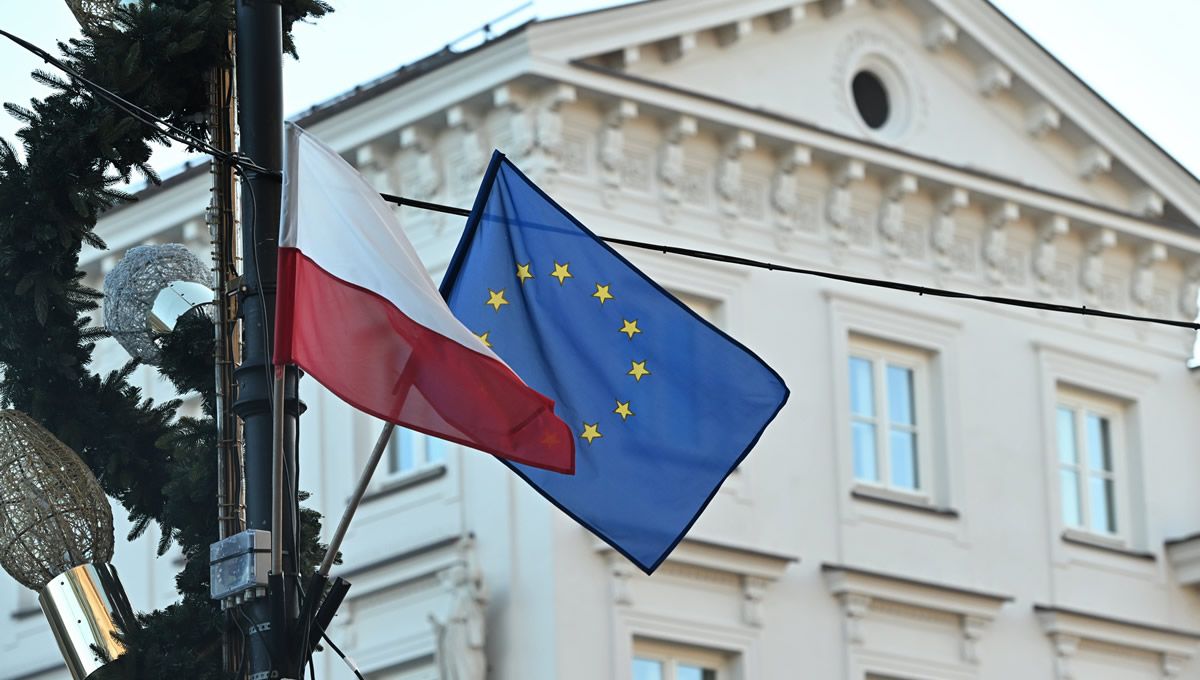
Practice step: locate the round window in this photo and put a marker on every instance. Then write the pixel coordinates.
(871, 99)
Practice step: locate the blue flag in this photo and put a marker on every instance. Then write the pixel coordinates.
(663, 405)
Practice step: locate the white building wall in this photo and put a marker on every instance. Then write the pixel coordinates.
(796, 569)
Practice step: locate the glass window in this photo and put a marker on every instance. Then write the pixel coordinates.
(409, 450)
(887, 426)
(1087, 456)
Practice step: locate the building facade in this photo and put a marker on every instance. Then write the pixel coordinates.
(955, 490)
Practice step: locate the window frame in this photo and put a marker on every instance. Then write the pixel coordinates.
(1081, 403)
(882, 355)
(671, 655)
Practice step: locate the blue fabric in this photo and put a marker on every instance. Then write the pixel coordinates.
(698, 411)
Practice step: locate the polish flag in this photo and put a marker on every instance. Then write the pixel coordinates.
(357, 311)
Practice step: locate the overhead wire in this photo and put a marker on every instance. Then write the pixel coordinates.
(1083, 310)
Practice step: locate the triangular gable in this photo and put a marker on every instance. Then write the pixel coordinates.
(964, 86)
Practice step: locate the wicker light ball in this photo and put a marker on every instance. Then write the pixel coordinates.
(133, 287)
(53, 514)
(92, 12)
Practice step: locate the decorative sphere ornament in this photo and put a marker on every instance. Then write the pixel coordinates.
(53, 514)
(147, 292)
(92, 12)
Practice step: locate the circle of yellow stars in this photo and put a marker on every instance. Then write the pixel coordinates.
(603, 293)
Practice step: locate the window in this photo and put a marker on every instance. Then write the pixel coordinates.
(409, 450)
(889, 425)
(1088, 430)
(870, 98)
(661, 661)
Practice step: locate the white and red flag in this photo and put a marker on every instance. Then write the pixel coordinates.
(357, 310)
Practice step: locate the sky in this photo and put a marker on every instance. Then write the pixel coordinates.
(1140, 56)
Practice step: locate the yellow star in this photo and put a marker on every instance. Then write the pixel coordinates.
(602, 293)
(638, 370)
(629, 328)
(591, 432)
(496, 299)
(561, 273)
(484, 338)
(622, 409)
(523, 272)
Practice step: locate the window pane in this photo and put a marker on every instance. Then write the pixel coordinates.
(1100, 502)
(647, 669)
(686, 672)
(1069, 490)
(400, 458)
(900, 394)
(862, 388)
(1098, 444)
(435, 450)
(904, 459)
(1066, 435)
(865, 466)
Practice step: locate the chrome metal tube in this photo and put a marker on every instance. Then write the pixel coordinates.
(86, 608)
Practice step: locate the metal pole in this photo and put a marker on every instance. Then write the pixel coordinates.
(335, 543)
(260, 111)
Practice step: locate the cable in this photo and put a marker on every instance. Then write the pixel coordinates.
(159, 124)
(349, 662)
(1083, 310)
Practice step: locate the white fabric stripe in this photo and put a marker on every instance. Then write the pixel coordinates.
(335, 218)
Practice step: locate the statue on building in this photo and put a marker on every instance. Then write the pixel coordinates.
(460, 636)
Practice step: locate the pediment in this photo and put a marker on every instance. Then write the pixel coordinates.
(964, 86)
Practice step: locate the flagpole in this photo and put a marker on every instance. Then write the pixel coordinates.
(335, 543)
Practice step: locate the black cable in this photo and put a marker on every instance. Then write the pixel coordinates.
(861, 280)
(138, 113)
(349, 663)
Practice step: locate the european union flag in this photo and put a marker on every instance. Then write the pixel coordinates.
(663, 404)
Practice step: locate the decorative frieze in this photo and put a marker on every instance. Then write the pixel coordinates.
(839, 207)
(473, 156)
(1045, 258)
(891, 212)
(424, 178)
(729, 174)
(612, 147)
(1148, 255)
(548, 131)
(942, 230)
(995, 238)
(514, 103)
(785, 197)
(1189, 289)
(1092, 270)
(671, 167)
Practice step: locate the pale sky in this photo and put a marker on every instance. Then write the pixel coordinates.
(1141, 56)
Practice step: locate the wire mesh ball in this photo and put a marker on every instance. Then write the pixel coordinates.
(132, 287)
(92, 12)
(53, 514)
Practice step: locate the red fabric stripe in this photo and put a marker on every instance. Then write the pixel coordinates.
(366, 351)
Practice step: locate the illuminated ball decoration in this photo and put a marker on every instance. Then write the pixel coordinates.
(53, 514)
(148, 290)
